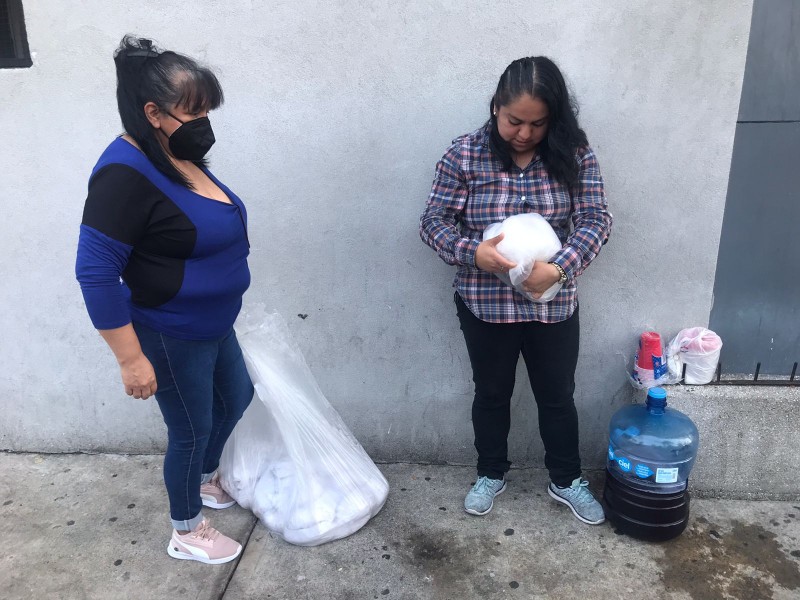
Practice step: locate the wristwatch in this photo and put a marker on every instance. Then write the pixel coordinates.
(563, 274)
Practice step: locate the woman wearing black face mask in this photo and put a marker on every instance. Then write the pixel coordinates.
(162, 263)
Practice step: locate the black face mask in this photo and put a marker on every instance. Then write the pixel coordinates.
(192, 140)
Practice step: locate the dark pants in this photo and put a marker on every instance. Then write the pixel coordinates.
(550, 351)
(203, 390)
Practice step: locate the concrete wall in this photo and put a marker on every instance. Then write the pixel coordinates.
(336, 114)
(748, 437)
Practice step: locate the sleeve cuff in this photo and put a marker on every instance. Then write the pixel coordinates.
(107, 306)
(465, 251)
(568, 259)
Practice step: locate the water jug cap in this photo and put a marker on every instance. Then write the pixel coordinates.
(656, 398)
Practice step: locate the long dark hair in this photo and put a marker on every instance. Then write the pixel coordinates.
(539, 77)
(147, 74)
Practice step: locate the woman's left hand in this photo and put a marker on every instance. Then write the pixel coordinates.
(543, 276)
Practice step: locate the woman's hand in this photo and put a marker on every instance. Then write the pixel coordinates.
(543, 276)
(138, 377)
(487, 258)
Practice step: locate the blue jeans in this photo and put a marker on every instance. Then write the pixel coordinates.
(203, 390)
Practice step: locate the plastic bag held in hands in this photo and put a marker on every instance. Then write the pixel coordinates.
(528, 238)
(291, 458)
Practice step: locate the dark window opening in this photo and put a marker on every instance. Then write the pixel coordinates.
(14, 52)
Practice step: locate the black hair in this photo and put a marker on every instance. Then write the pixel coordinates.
(539, 77)
(148, 74)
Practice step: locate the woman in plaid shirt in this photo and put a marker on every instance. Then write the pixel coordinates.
(531, 156)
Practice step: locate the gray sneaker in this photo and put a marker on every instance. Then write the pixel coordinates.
(480, 498)
(580, 501)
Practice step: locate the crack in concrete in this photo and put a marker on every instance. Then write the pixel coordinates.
(244, 543)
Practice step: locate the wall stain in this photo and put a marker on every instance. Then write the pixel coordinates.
(714, 562)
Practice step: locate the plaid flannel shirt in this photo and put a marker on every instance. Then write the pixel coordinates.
(471, 191)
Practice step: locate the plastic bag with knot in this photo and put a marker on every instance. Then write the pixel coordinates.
(528, 238)
(698, 349)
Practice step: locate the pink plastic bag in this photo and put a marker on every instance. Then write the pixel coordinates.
(698, 348)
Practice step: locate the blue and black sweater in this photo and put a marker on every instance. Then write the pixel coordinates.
(155, 252)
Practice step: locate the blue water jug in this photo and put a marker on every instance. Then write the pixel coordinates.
(651, 451)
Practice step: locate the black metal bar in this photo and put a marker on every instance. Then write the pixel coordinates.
(760, 382)
(683, 372)
(791, 382)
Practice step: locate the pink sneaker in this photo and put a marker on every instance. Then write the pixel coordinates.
(214, 496)
(205, 544)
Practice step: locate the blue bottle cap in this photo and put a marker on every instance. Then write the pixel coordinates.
(656, 397)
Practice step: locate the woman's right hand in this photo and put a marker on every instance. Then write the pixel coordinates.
(138, 377)
(487, 258)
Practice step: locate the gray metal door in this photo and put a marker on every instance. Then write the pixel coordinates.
(756, 307)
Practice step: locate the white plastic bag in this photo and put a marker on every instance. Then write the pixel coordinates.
(698, 348)
(528, 238)
(291, 459)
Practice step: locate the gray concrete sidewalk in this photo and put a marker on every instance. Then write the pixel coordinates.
(95, 527)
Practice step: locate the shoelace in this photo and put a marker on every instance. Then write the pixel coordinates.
(205, 532)
(214, 483)
(577, 490)
(482, 486)
(582, 493)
